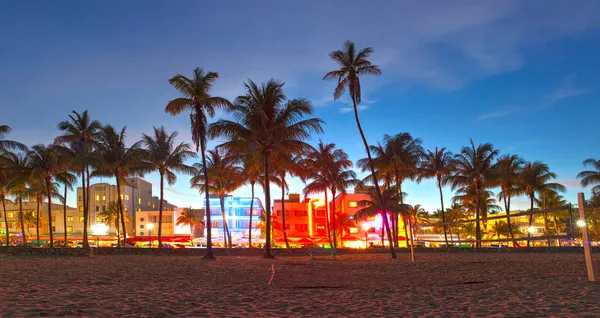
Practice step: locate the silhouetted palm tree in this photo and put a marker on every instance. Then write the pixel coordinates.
(110, 216)
(189, 217)
(19, 171)
(197, 99)
(251, 172)
(591, 177)
(162, 154)
(438, 164)
(46, 163)
(507, 170)
(473, 169)
(546, 200)
(113, 158)
(224, 178)
(533, 180)
(270, 124)
(79, 131)
(5, 181)
(8, 145)
(353, 64)
(69, 164)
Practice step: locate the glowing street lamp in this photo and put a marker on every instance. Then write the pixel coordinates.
(150, 226)
(98, 230)
(366, 227)
(581, 223)
(531, 229)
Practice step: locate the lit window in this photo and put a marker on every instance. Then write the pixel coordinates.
(353, 230)
(138, 209)
(11, 215)
(139, 200)
(97, 197)
(81, 209)
(153, 206)
(103, 197)
(81, 219)
(54, 218)
(352, 204)
(69, 229)
(126, 197)
(97, 219)
(70, 218)
(122, 197)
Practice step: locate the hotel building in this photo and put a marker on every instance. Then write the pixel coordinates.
(237, 215)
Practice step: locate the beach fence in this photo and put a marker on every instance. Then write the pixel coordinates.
(556, 226)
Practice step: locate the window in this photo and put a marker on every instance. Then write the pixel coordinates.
(97, 197)
(153, 206)
(215, 224)
(352, 204)
(10, 214)
(320, 227)
(138, 209)
(54, 229)
(167, 219)
(80, 198)
(103, 208)
(321, 214)
(69, 229)
(54, 218)
(353, 230)
(255, 212)
(122, 196)
(139, 200)
(287, 227)
(301, 227)
(81, 219)
(97, 219)
(103, 197)
(70, 218)
(127, 197)
(97, 208)
(300, 213)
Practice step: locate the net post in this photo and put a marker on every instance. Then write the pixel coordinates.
(590, 262)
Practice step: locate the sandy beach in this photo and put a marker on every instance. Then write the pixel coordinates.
(485, 284)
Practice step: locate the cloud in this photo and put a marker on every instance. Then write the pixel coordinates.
(496, 114)
(179, 193)
(565, 90)
(345, 110)
(571, 184)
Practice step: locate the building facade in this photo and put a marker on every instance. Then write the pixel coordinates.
(237, 216)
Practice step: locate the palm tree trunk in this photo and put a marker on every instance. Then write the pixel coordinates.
(117, 227)
(507, 208)
(86, 216)
(160, 211)
(120, 203)
(287, 244)
(333, 216)
(375, 182)
(327, 221)
(85, 229)
(5, 220)
(209, 249)
(267, 207)
(477, 225)
(396, 216)
(412, 240)
(443, 212)
(48, 185)
(251, 212)
(24, 238)
(225, 228)
(546, 229)
(37, 218)
(65, 216)
(530, 222)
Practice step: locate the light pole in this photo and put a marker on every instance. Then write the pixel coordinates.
(366, 227)
(150, 226)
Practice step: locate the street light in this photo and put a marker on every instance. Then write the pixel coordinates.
(98, 230)
(366, 227)
(531, 229)
(581, 223)
(150, 226)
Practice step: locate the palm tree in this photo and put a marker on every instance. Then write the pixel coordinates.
(251, 171)
(68, 180)
(79, 131)
(352, 65)
(266, 122)
(547, 200)
(19, 171)
(507, 170)
(191, 218)
(28, 221)
(164, 156)
(8, 145)
(438, 164)
(36, 189)
(5, 181)
(46, 163)
(284, 163)
(373, 207)
(534, 180)
(197, 99)
(591, 177)
(110, 216)
(455, 213)
(225, 177)
(113, 159)
(474, 169)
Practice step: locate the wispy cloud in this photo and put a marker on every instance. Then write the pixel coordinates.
(571, 184)
(345, 110)
(496, 114)
(184, 194)
(565, 90)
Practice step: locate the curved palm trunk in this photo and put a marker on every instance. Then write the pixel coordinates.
(546, 229)
(335, 238)
(5, 220)
(396, 216)
(412, 240)
(24, 238)
(209, 249)
(530, 222)
(477, 225)
(287, 244)
(376, 183)
(160, 211)
(251, 213)
(439, 179)
(510, 231)
(65, 216)
(120, 203)
(225, 227)
(48, 185)
(37, 218)
(268, 208)
(327, 220)
(84, 194)
(86, 216)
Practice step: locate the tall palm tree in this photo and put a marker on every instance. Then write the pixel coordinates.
(110, 216)
(162, 154)
(438, 164)
(197, 99)
(191, 218)
(46, 163)
(284, 163)
(455, 213)
(224, 178)
(353, 64)
(79, 131)
(591, 177)
(29, 221)
(373, 207)
(5, 181)
(534, 179)
(19, 171)
(546, 200)
(251, 171)
(8, 145)
(68, 180)
(507, 170)
(36, 188)
(474, 169)
(113, 159)
(270, 124)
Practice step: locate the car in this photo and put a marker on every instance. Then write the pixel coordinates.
(178, 245)
(498, 245)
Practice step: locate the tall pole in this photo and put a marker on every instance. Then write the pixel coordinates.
(590, 262)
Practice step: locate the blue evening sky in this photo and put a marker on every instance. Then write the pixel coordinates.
(523, 75)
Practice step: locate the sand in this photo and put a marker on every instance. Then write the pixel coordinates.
(484, 284)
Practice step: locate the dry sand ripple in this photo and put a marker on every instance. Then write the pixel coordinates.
(485, 285)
